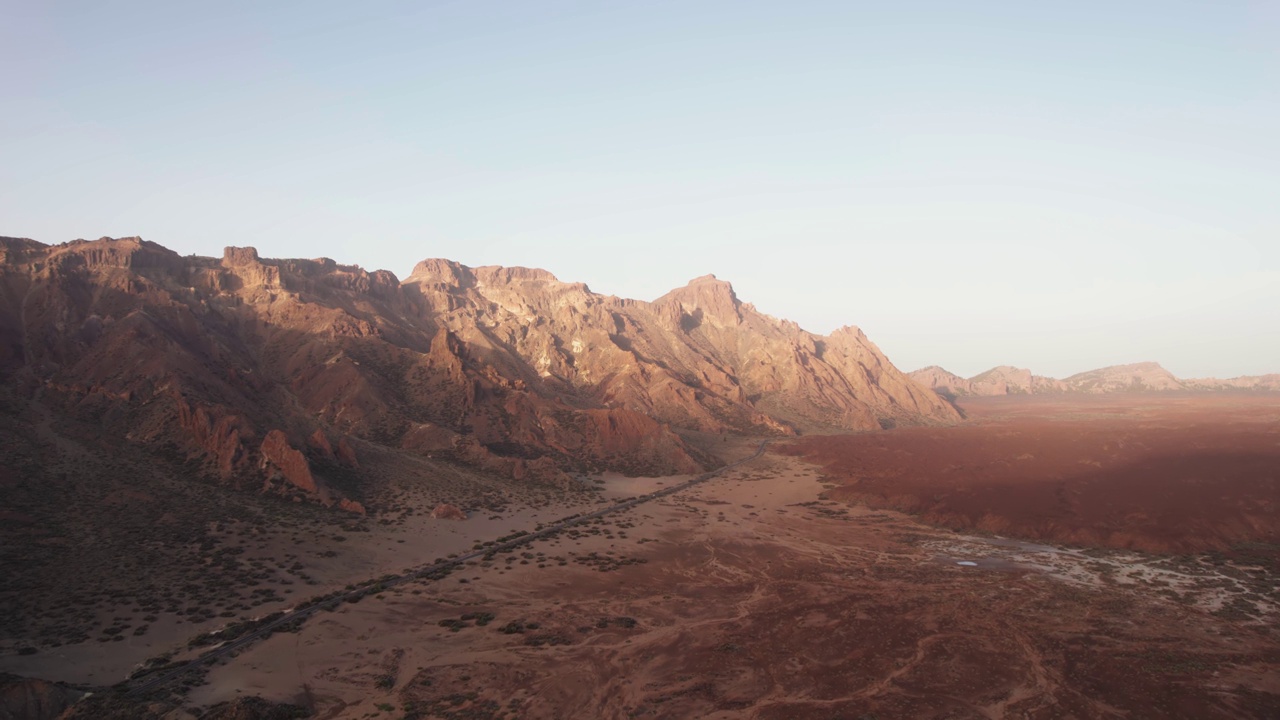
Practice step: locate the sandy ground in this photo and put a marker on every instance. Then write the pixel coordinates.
(752, 596)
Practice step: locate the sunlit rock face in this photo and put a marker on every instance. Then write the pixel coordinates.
(272, 372)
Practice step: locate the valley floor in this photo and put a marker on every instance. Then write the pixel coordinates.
(751, 596)
(762, 593)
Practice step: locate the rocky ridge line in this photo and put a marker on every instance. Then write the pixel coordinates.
(273, 372)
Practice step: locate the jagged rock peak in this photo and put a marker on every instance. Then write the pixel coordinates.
(443, 272)
(245, 264)
(238, 256)
(437, 271)
(848, 330)
(1003, 369)
(711, 285)
(704, 296)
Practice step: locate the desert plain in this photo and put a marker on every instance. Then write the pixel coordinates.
(1084, 557)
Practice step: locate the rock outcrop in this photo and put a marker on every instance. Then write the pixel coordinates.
(24, 698)
(445, 511)
(279, 456)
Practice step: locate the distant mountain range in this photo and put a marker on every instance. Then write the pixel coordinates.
(1137, 377)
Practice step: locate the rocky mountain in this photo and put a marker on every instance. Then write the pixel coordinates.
(270, 371)
(1000, 380)
(1009, 380)
(940, 380)
(1136, 377)
(1270, 381)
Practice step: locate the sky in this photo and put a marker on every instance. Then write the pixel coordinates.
(1059, 186)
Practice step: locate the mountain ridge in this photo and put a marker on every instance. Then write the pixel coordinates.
(1131, 377)
(274, 371)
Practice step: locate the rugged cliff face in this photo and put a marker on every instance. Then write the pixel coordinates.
(271, 371)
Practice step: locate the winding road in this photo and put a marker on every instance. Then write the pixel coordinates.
(145, 684)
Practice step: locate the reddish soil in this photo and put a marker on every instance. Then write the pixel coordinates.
(747, 598)
(1159, 473)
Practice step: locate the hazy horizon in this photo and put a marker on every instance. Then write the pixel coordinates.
(1057, 188)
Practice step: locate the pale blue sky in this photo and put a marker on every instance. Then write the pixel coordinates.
(1054, 185)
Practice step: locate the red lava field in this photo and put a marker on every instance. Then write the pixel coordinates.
(1157, 473)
